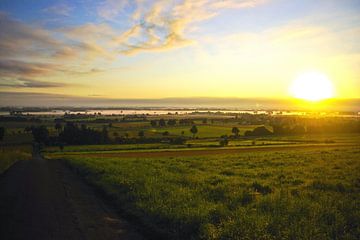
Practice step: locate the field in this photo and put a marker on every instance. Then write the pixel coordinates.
(305, 193)
(11, 154)
(284, 184)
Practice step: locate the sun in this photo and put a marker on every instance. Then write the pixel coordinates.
(312, 86)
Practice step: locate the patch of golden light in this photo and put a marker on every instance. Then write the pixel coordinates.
(312, 86)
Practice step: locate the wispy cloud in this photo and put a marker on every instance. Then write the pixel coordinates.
(29, 83)
(162, 25)
(29, 50)
(109, 9)
(20, 68)
(18, 39)
(59, 9)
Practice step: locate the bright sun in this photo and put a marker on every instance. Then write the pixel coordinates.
(312, 86)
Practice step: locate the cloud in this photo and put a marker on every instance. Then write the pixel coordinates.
(163, 25)
(59, 9)
(28, 50)
(21, 68)
(29, 83)
(109, 9)
(18, 39)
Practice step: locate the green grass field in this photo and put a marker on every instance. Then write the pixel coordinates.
(286, 194)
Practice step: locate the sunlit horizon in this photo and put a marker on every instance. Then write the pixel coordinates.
(178, 49)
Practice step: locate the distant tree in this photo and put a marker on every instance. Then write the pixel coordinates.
(171, 122)
(235, 131)
(61, 146)
(58, 126)
(186, 121)
(153, 123)
(162, 123)
(259, 131)
(204, 121)
(224, 142)
(194, 130)
(28, 129)
(182, 133)
(166, 133)
(141, 133)
(105, 135)
(40, 134)
(2, 133)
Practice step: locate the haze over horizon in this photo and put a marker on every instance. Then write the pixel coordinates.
(232, 103)
(147, 49)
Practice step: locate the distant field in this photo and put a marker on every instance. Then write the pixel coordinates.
(281, 194)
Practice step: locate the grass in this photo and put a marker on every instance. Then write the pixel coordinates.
(110, 147)
(11, 154)
(302, 194)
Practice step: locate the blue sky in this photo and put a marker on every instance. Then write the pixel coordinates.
(181, 48)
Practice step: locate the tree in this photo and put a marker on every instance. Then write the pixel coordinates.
(2, 133)
(235, 131)
(61, 146)
(153, 123)
(224, 142)
(171, 122)
(105, 135)
(28, 129)
(166, 133)
(141, 133)
(194, 130)
(259, 131)
(58, 127)
(40, 134)
(162, 123)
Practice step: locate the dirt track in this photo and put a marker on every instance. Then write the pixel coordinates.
(42, 199)
(204, 152)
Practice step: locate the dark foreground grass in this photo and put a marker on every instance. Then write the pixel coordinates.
(10, 154)
(292, 194)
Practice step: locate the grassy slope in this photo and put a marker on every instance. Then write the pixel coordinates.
(10, 154)
(303, 194)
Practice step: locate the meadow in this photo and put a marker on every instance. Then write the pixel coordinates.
(284, 194)
(301, 181)
(12, 154)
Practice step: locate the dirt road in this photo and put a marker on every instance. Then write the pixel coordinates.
(42, 199)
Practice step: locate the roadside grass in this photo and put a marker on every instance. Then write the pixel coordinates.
(11, 154)
(290, 194)
(109, 147)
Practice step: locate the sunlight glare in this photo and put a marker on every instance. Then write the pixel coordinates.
(312, 86)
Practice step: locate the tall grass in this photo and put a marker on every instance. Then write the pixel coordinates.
(11, 154)
(303, 194)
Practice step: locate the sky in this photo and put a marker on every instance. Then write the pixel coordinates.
(147, 49)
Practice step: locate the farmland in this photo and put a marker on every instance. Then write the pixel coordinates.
(236, 176)
(280, 194)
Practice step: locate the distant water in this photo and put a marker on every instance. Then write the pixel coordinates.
(127, 112)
